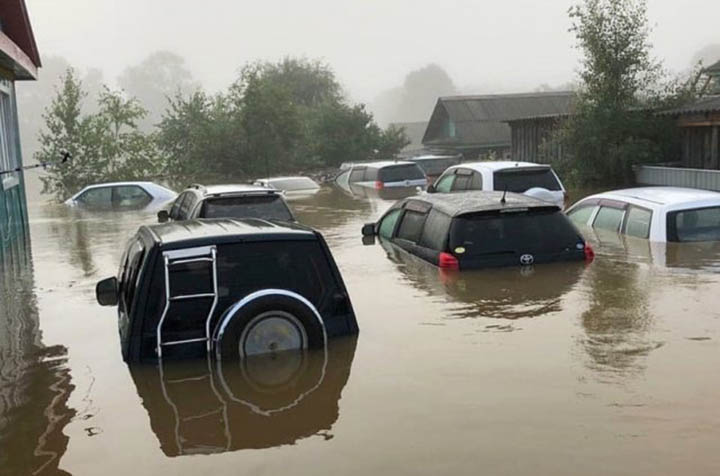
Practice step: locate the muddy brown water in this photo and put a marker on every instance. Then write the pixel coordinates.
(609, 368)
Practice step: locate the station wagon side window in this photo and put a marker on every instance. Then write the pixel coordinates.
(387, 224)
(477, 182)
(609, 218)
(637, 222)
(97, 197)
(411, 225)
(371, 174)
(357, 174)
(435, 231)
(698, 224)
(445, 183)
(582, 213)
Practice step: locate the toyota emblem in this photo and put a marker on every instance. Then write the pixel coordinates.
(527, 260)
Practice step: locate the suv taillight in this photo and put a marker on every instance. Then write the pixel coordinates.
(448, 261)
(589, 253)
(378, 185)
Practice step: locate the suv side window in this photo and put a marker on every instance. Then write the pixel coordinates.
(411, 225)
(638, 222)
(128, 282)
(582, 214)
(186, 206)
(387, 224)
(177, 204)
(445, 183)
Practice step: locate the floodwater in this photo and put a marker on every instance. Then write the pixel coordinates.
(607, 368)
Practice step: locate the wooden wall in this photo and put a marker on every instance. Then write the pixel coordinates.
(531, 140)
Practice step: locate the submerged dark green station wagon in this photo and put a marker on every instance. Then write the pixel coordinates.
(228, 288)
(480, 229)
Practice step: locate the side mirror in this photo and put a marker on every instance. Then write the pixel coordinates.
(430, 188)
(368, 240)
(368, 229)
(163, 216)
(106, 292)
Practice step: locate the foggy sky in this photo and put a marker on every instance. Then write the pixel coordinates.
(507, 45)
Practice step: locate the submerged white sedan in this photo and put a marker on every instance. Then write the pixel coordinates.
(658, 214)
(122, 196)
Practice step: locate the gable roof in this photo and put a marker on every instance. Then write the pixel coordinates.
(702, 105)
(18, 50)
(482, 120)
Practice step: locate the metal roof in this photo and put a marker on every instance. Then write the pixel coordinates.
(706, 104)
(224, 230)
(455, 204)
(482, 120)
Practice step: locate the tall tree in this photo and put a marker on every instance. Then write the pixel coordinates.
(105, 146)
(613, 126)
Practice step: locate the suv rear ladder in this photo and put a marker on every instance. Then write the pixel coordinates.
(188, 255)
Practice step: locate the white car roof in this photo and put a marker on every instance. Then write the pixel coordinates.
(663, 197)
(495, 165)
(296, 177)
(232, 188)
(430, 157)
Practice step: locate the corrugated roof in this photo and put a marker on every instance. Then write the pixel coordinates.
(706, 104)
(482, 120)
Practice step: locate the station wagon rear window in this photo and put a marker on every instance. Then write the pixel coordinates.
(522, 180)
(400, 173)
(263, 206)
(701, 224)
(540, 230)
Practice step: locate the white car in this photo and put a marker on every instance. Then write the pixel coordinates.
(656, 213)
(303, 185)
(122, 196)
(535, 180)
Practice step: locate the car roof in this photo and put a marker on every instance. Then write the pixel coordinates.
(119, 184)
(495, 165)
(203, 232)
(455, 204)
(229, 189)
(660, 196)
(383, 163)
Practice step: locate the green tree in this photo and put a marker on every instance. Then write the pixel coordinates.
(105, 146)
(614, 126)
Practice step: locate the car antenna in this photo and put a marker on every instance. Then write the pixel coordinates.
(502, 200)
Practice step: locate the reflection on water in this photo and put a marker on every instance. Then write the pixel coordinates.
(34, 380)
(605, 362)
(505, 293)
(265, 401)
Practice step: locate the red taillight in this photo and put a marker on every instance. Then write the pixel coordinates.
(378, 185)
(448, 261)
(589, 253)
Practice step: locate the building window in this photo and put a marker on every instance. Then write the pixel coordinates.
(8, 153)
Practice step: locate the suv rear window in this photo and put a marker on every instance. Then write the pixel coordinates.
(542, 230)
(700, 224)
(400, 173)
(263, 206)
(520, 181)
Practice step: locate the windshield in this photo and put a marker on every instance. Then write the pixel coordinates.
(538, 230)
(701, 224)
(264, 206)
(520, 181)
(399, 173)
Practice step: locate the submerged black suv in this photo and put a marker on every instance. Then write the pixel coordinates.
(481, 229)
(231, 288)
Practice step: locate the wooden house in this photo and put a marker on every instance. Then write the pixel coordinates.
(478, 126)
(19, 61)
